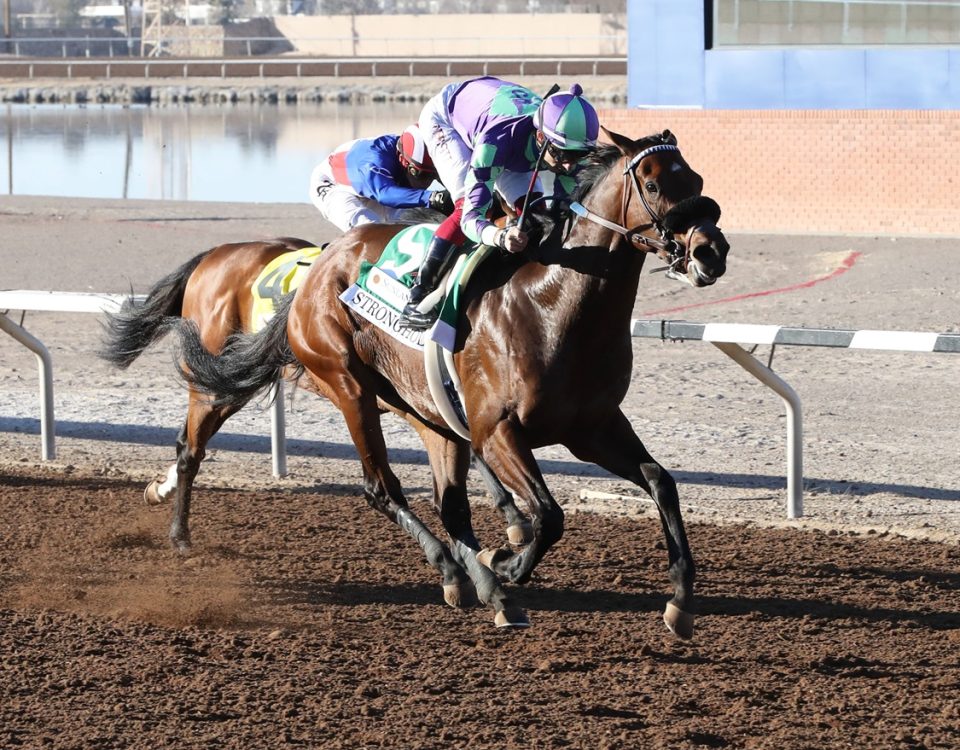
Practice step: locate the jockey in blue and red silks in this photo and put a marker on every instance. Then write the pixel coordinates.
(485, 135)
(377, 180)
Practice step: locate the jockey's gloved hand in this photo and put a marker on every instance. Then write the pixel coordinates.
(441, 201)
(511, 239)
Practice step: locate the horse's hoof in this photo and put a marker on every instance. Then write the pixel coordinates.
(489, 557)
(460, 595)
(181, 544)
(520, 533)
(151, 494)
(485, 557)
(679, 623)
(511, 617)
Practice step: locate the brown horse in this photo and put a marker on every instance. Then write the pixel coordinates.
(213, 290)
(545, 358)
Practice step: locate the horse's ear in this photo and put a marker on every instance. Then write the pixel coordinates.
(667, 137)
(623, 143)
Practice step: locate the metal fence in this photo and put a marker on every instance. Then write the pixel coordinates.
(307, 67)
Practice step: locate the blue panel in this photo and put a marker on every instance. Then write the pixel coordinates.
(680, 27)
(855, 78)
(825, 79)
(665, 52)
(908, 78)
(953, 90)
(667, 66)
(641, 64)
(744, 79)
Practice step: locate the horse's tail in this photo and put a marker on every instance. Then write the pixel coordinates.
(136, 325)
(247, 364)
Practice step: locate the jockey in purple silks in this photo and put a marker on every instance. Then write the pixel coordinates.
(377, 180)
(486, 135)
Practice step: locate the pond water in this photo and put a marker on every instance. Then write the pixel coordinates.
(238, 153)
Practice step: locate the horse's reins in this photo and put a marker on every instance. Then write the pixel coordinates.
(670, 250)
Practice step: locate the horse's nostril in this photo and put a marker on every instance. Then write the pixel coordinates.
(711, 259)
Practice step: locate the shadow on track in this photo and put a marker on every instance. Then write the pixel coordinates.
(165, 437)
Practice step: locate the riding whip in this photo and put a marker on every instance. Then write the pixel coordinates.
(536, 168)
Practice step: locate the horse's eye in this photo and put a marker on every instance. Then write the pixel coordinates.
(651, 187)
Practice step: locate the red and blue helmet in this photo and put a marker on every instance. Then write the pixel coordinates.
(568, 121)
(412, 152)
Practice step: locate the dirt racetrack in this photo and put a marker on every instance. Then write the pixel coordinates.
(303, 618)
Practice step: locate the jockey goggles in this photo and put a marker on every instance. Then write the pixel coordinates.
(566, 156)
(415, 171)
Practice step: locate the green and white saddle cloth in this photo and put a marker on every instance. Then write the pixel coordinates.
(381, 292)
(383, 288)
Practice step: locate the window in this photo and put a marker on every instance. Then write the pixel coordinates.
(834, 22)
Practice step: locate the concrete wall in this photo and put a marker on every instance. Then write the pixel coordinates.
(819, 172)
(400, 36)
(456, 35)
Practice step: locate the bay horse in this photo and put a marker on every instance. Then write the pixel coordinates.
(545, 358)
(213, 290)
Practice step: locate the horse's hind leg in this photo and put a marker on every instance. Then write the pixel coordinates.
(450, 462)
(615, 447)
(519, 528)
(159, 490)
(381, 486)
(438, 555)
(203, 422)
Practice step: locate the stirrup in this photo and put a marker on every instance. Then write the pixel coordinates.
(411, 317)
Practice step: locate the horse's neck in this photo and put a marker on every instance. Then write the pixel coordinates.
(597, 269)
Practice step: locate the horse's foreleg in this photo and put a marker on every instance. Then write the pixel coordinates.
(616, 447)
(511, 459)
(203, 422)
(450, 461)
(519, 528)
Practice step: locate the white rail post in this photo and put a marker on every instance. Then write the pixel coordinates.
(48, 450)
(794, 420)
(278, 438)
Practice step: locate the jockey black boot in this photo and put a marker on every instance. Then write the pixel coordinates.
(439, 254)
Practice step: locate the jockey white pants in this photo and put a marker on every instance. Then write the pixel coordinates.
(451, 154)
(343, 208)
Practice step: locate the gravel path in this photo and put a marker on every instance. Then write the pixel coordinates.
(303, 620)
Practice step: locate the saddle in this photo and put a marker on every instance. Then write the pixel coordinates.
(382, 290)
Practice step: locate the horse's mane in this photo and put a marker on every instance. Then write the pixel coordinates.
(598, 163)
(594, 168)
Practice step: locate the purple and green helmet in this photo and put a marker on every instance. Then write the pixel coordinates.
(568, 120)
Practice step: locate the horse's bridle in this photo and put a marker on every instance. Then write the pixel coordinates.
(675, 253)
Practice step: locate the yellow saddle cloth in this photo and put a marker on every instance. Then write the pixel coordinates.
(281, 276)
